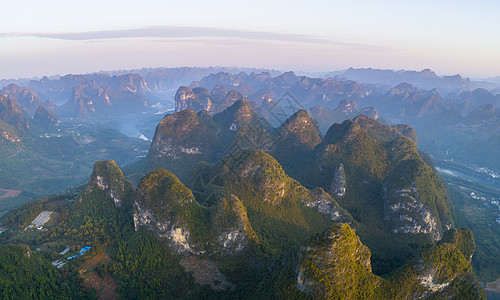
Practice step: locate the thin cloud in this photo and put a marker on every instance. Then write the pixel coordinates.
(176, 32)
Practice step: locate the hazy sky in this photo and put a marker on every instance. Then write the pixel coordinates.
(69, 36)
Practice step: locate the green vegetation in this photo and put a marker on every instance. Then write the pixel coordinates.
(41, 166)
(247, 220)
(336, 265)
(475, 215)
(272, 200)
(379, 162)
(146, 269)
(26, 274)
(462, 239)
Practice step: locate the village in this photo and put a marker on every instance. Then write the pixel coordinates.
(488, 202)
(38, 223)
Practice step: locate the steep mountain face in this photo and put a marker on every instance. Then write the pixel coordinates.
(199, 99)
(91, 99)
(236, 116)
(182, 139)
(336, 265)
(108, 178)
(409, 103)
(24, 96)
(166, 207)
(12, 114)
(302, 128)
(294, 143)
(44, 116)
(379, 176)
(479, 97)
(345, 110)
(245, 228)
(132, 83)
(231, 98)
(185, 98)
(50, 105)
(276, 204)
(218, 93)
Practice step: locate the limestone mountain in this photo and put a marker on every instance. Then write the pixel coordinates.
(199, 99)
(300, 130)
(218, 93)
(239, 114)
(336, 265)
(91, 99)
(231, 120)
(182, 139)
(377, 174)
(381, 158)
(346, 109)
(11, 113)
(164, 206)
(276, 204)
(186, 98)
(107, 177)
(45, 117)
(242, 227)
(294, 143)
(24, 96)
(479, 97)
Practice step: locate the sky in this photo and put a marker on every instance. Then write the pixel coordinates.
(60, 37)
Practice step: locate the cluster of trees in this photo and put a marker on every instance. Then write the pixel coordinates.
(26, 274)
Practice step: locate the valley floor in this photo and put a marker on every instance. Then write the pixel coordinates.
(476, 203)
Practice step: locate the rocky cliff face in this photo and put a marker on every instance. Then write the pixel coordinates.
(336, 265)
(162, 204)
(263, 189)
(99, 97)
(12, 114)
(231, 225)
(338, 186)
(326, 205)
(406, 213)
(415, 198)
(300, 130)
(182, 136)
(236, 116)
(108, 177)
(45, 117)
(24, 96)
(361, 158)
(199, 99)
(132, 83)
(166, 207)
(345, 110)
(186, 98)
